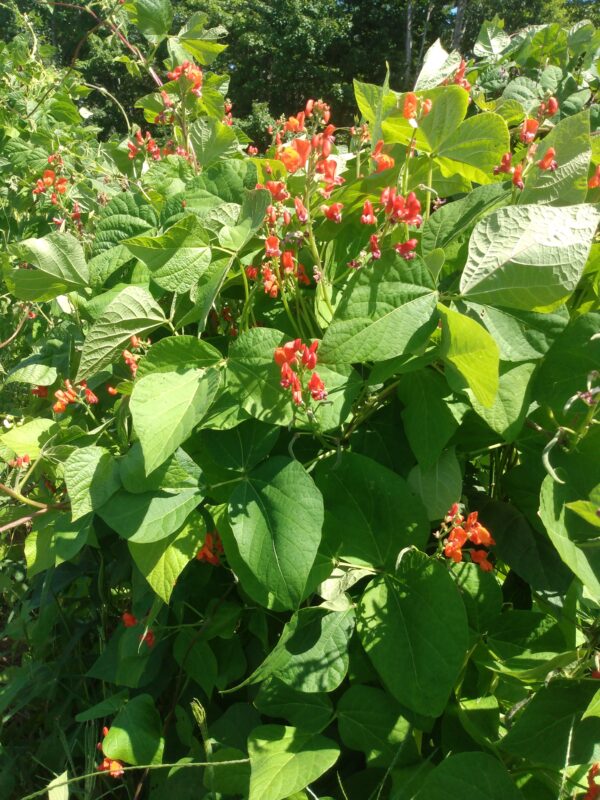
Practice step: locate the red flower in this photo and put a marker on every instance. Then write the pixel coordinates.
(459, 76)
(149, 638)
(272, 247)
(594, 181)
(270, 282)
(517, 178)
(309, 355)
(368, 217)
(476, 532)
(547, 161)
(297, 391)
(301, 210)
(480, 557)
(382, 160)
(48, 177)
(328, 169)
(211, 549)
(112, 766)
(552, 106)
(410, 106)
(528, 130)
(129, 620)
(402, 209)
(301, 275)
(505, 165)
(90, 397)
(317, 387)
(287, 261)
(426, 107)
(252, 150)
(295, 155)
(406, 249)
(40, 391)
(593, 788)
(333, 212)
(288, 376)
(277, 189)
(252, 273)
(112, 391)
(374, 246)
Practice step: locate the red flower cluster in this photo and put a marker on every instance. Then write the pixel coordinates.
(19, 462)
(211, 549)
(333, 212)
(190, 72)
(50, 181)
(547, 161)
(459, 76)
(401, 209)
(529, 128)
(130, 621)
(462, 531)
(593, 791)
(70, 394)
(549, 108)
(381, 160)
(304, 358)
(415, 108)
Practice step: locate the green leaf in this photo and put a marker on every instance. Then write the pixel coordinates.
(162, 562)
(428, 422)
(370, 511)
(567, 184)
(470, 776)
(309, 711)
(167, 406)
(491, 40)
(528, 257)
(312, 652)
(200, 43)
(437, 65)
(197, 659)
(582, 561)
(178, 353)
(133, 312)
(92, 477)
(370, 721)
(469, 350)
(152, 17)
(28, 439)
(60, 264)
(284, 760)
(475, 148)
(135, 734)
(211, 139)
(593, 710)
(408, 624)
(507, 413)
(375, 103)
(252, 215)
(438, 486)
(102, 265)
(125, 216)
(521, 335)
(551, 731)
(148, 517)
(276, 515)
(177, 472)
(178, 257)
(58, 788)
(386, 310)
(54, 540)
(481, 594)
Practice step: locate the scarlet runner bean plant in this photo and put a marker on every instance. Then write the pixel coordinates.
(299, 477)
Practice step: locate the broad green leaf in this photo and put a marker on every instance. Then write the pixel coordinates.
(125, 216)
(236, 450)
(276, 516)
(475, 148)
(92, 477)
(567, 184)
(284, 760)
(564, 371)
(521, 335)
(394, 613)
(491, 40)
(370, 721)
(450, 225)
(507, 413)
(133, 312)
(148, 517)
(528, 257)
(470, 351)
(199, 42)
(28, 439)
(54, 540)
(481, 594)
(525, 91)
(369, 511)
(178, 353)
(211, 139)
(177, 472)
(308, 711)
(551, 731)
(125, 661)
(196, 658)
(105, 708)
(152, 17)
(60, 267)
(135, 734)
(593, 710)
(252, 215)
(375, 103)
(584, 562)
(470, 776)
(176, 258)
(312, 652)
(438, 486)
(104, 263)
(428, 422)
(167, 406)
(387, 309)
(437, 65)
(448, 108)
(162, 562)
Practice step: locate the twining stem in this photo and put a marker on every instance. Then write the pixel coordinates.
(17, 330)
(428, 192)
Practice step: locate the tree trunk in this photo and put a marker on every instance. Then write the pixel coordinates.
(459, 24)
(424, 36)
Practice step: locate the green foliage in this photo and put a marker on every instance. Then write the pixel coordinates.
(299, 483)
